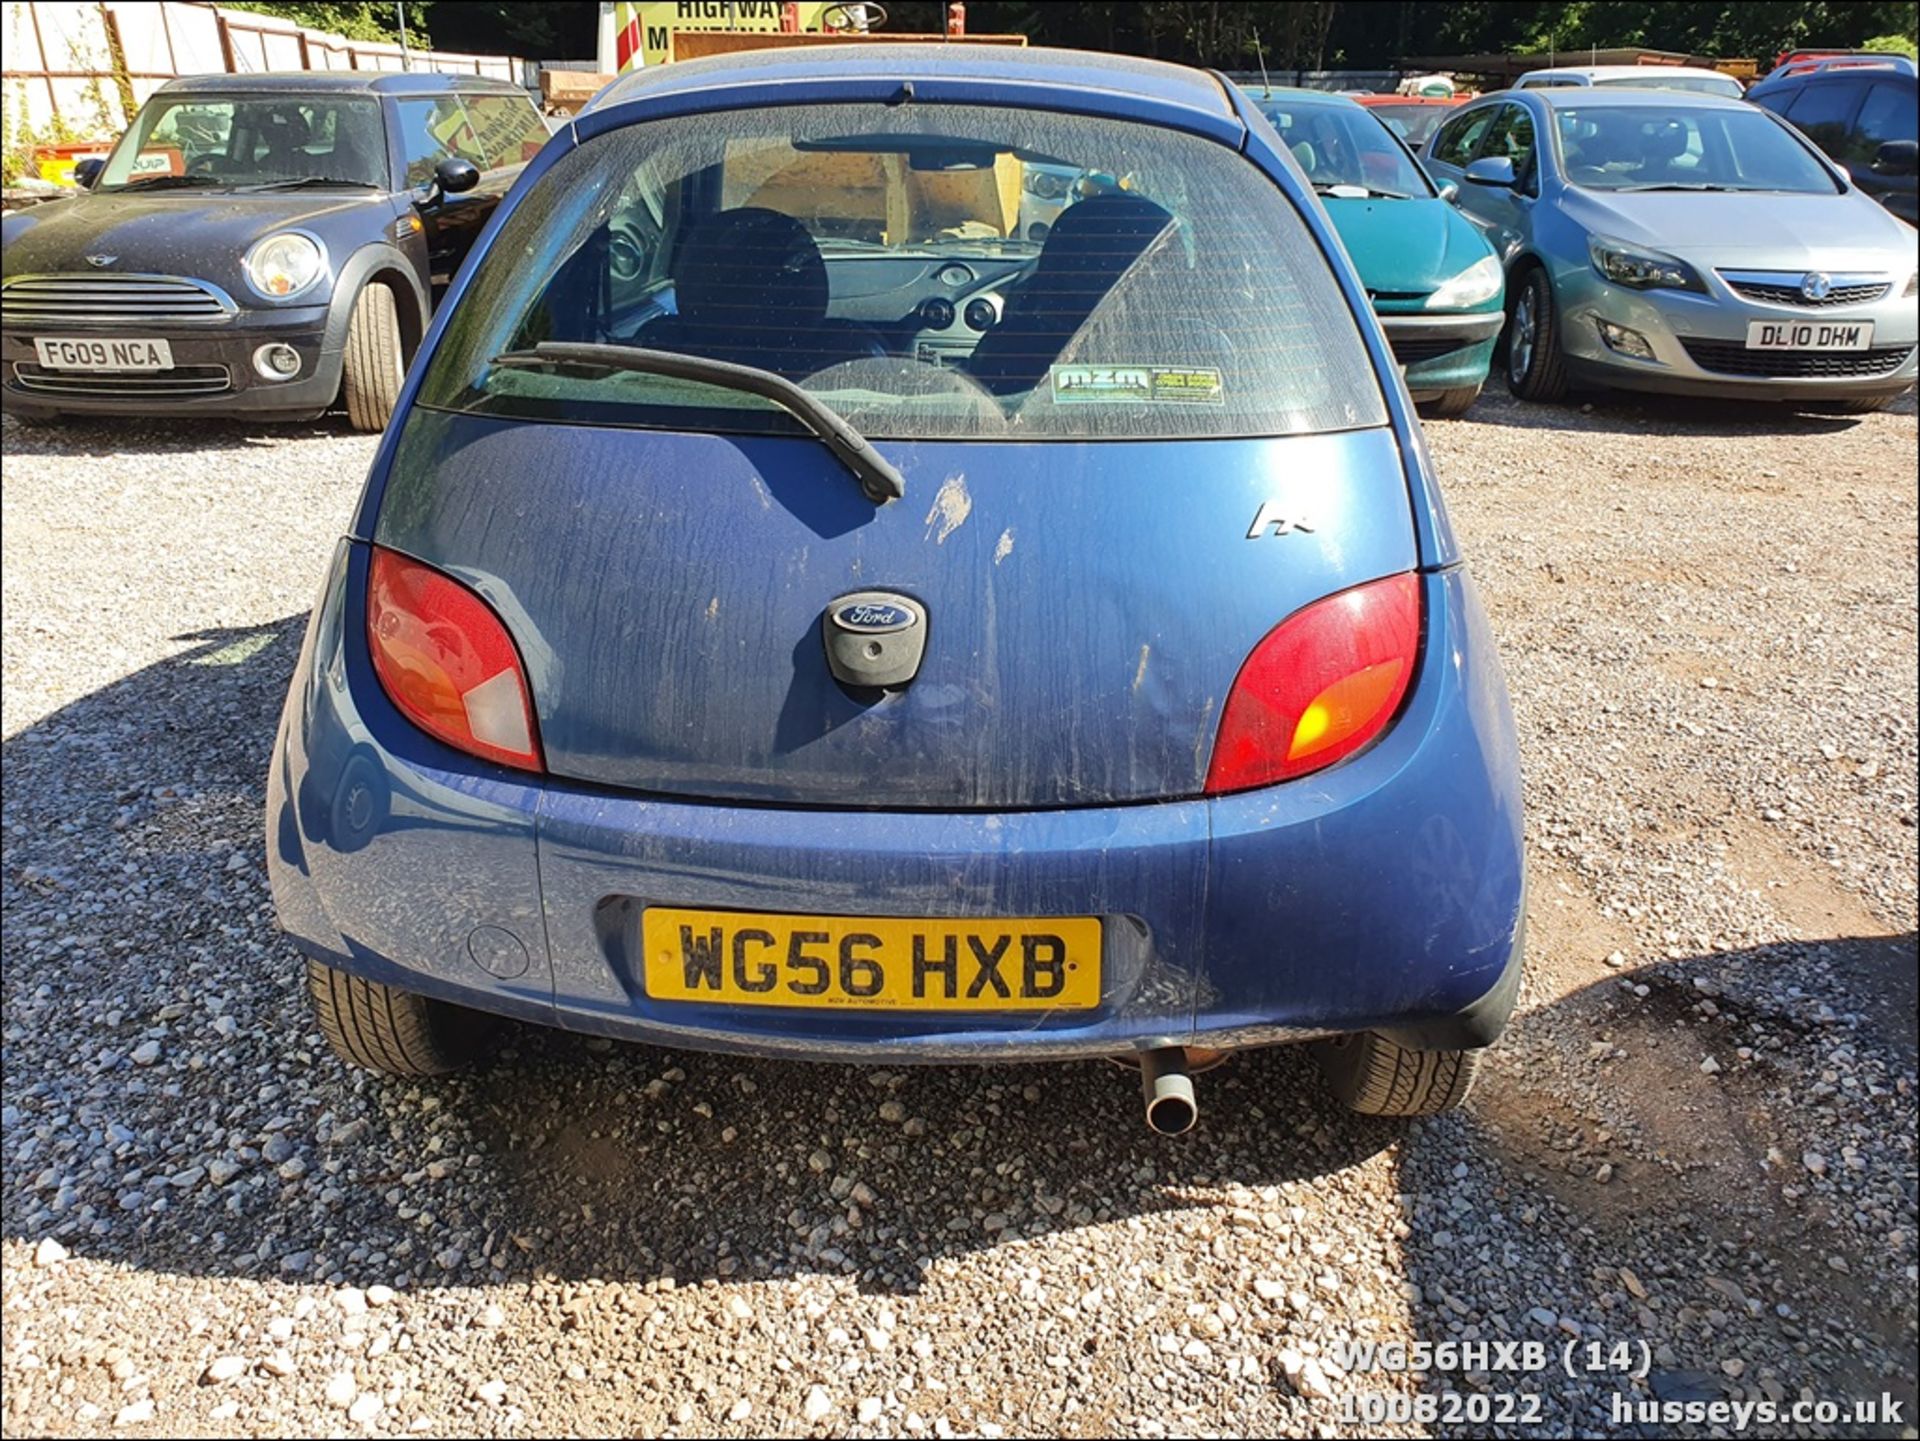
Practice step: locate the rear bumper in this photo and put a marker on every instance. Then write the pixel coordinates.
(198, 351)
(1385, 893)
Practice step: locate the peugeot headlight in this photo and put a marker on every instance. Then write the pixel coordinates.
(1479, 282)
(285, 264)
(1640, 268)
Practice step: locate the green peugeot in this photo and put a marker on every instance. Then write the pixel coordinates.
(1434, 281)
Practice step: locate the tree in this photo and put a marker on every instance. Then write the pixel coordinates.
(355, 19)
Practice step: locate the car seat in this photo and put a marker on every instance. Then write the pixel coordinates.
(285, 133)
(1662, 142)
(1614, 140)
(750, 286)
(1092, 245)
(355, 155)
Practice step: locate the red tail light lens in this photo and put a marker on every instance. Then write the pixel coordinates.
(1322, 684)
(447, 662)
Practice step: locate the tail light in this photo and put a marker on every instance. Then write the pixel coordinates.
(1319, 686)
(447, 662)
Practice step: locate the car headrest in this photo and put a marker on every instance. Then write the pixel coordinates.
(1100, 237)
(746, 263)
(1663, 139)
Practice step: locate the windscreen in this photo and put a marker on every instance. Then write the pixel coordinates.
(251, 140)
(926, 270)
(1412, 123)
(1344, 145)
(1636, 148)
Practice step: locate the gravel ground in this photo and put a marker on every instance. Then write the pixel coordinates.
(1699, 1135)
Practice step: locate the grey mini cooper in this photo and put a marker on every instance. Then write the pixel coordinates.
(258, 245)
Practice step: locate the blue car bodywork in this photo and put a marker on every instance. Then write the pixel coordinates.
(1383, 893)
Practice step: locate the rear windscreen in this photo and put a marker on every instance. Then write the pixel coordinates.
(929, 271)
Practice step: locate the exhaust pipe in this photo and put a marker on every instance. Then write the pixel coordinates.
(1167, 1089)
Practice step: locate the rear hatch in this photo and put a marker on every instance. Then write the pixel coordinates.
(1089, 431)
(1087, 607)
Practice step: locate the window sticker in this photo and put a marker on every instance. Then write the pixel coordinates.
(1136, 385)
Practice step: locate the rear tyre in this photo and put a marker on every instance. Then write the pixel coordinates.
(371, 379)
(394, 1032)
(1449, 404)
(1378, 1077)
(1536, 370)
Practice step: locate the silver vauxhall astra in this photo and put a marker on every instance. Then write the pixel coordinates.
(1682, 243)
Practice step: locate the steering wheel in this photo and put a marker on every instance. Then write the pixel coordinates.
(842, 17)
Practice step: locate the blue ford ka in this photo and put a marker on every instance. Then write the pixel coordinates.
(795, 612)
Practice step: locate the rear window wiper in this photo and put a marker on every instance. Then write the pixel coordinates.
(878, 479)
(297, 181)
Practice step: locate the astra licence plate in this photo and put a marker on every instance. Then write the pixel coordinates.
(104, 354)
(878, 963)
(1809, 334)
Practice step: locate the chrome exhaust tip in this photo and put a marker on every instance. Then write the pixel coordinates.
(1167, 1088)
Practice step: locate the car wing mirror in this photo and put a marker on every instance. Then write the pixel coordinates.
(1896, 157)
(452, 176)
(1491, 170)
(86, 172)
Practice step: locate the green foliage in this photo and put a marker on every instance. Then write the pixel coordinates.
(355, 19)
(1889, 44)
(17, 158)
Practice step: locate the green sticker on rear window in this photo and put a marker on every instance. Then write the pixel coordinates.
(1136, 385)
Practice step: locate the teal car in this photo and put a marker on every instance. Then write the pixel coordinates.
(1434, 281)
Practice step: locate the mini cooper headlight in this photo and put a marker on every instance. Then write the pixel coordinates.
(1479, 282)
(1640, 268)
(284, 265)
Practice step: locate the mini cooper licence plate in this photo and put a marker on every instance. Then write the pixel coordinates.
(876, 963)
(104, 354)
(1809, 334)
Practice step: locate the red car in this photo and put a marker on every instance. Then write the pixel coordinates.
(1412, 117)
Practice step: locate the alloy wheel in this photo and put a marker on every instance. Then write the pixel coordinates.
(1520, 342)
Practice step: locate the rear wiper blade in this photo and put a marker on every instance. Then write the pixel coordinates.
(297, 181)
(878, 479)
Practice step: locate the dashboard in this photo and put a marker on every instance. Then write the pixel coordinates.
(934, 308)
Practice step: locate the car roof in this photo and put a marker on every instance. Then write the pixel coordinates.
(1294, 95)
(1621, 72)
(1584, 98)
(344, 82)
(1372, 100)
(1853, 67)
(1152, 80)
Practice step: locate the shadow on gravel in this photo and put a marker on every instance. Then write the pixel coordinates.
(1637, 1170)
(1679, 416)
(136, 912)
(143, 435)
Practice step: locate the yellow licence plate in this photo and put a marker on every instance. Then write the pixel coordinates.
(878, 963)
